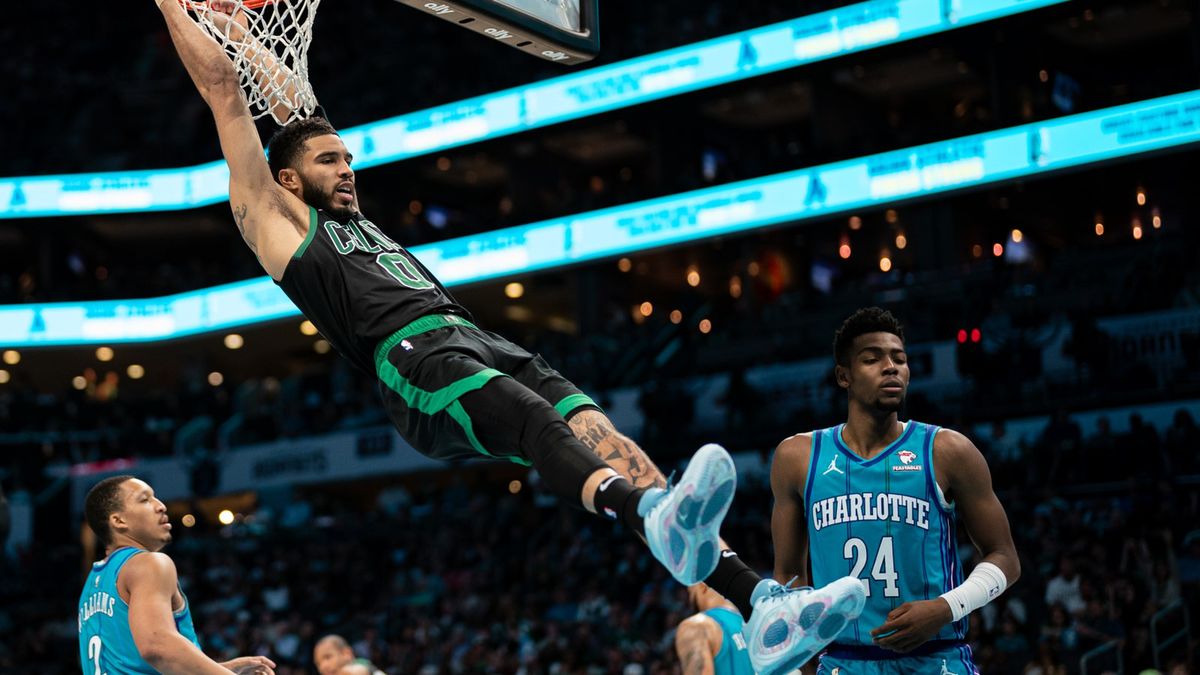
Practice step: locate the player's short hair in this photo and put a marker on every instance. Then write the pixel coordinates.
(103, 500)
(287, 145)
(336, 640)
(863, 321)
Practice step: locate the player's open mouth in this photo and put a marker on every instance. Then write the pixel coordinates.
(345, 191)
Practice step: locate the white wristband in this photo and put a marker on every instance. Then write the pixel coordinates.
(984, 585)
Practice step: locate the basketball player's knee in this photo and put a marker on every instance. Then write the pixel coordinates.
(563, 461)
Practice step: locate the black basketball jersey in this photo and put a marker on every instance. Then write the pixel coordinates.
(358, 286)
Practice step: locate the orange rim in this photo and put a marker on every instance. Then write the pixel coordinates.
(248, 4)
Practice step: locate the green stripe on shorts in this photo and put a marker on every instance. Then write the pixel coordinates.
(446, 398)
(430, 402)
(421, 325)
(459, 414)
(569, 404)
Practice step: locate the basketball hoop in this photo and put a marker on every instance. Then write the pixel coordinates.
(267, 41)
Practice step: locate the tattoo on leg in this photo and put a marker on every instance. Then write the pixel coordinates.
(622, 454)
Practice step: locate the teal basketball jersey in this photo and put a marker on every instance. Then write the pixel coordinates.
(733, 659)
(106, 644)
(883, 520)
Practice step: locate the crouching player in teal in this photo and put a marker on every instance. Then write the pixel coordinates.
(878, 499)
(133, 617)
(710, 642)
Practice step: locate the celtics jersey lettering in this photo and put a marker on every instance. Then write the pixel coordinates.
(106, 645)
(358, 286)
(883, 520)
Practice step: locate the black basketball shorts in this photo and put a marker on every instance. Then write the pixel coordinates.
(426, 366)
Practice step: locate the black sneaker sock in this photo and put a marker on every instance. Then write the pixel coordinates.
(734, 580)
(617, 498)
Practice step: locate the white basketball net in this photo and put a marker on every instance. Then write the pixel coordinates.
(267, 40)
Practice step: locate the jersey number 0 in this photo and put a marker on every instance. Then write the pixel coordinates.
(403, 271)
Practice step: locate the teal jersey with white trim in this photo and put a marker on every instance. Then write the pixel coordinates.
(883, 520)
(732, 659)
(106, 645)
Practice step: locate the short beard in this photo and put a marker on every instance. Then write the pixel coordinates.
(889, 407)
(314, 197)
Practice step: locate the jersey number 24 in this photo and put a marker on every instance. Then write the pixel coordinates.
(882, 571)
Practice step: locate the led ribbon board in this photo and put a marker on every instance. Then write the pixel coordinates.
(921, 171)
(739, 56)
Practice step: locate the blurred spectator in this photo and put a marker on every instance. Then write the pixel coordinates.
(1063, 589)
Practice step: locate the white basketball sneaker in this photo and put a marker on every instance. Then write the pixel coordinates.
(683, 522)
(789, 626)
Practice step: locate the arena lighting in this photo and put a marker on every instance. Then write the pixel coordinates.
(135, 371)
(676, 316)
(104, 354)
(307, 328)
(225, 517)
(849, 185)
(808, 39)
(12, 357)
(901, 241)
(215, 379)
(514, 290)
(5, 376)
(624, 264)
(646, 309)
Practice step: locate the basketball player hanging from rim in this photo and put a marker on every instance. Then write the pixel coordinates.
(452, 390)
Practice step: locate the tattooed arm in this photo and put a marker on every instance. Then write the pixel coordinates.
(618, 450)
(272, 220)
(697, 641)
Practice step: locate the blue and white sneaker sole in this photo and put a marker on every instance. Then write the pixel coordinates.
(826, 612)
(683, 531)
